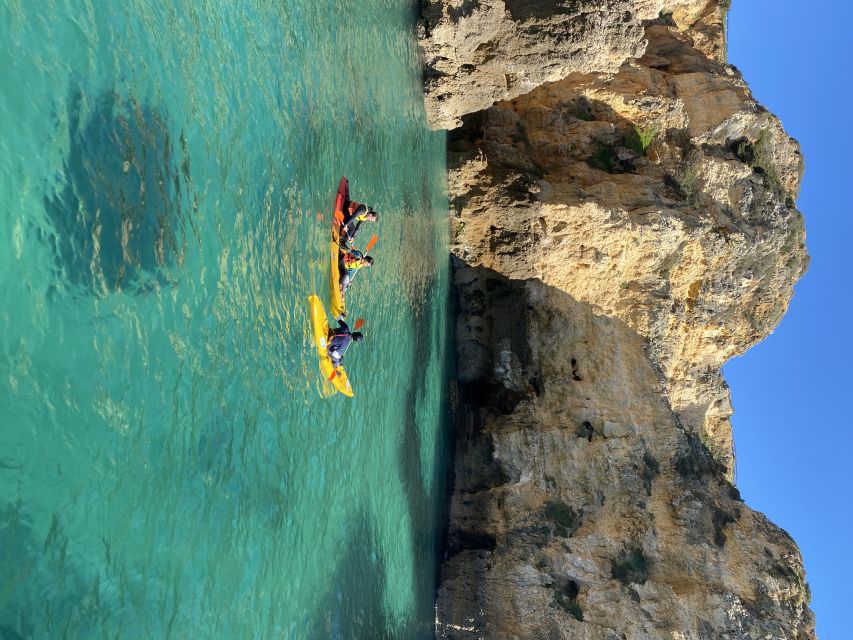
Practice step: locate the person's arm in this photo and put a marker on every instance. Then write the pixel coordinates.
(343, 325)
(354, 231)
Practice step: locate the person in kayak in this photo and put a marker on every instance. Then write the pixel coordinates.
(339, 341)
(350, 264)
(356, 214)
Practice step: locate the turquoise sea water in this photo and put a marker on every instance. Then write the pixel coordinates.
(170, 463)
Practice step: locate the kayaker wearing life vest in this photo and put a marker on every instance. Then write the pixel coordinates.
(350, 264)
(355, 214)
(339, 341)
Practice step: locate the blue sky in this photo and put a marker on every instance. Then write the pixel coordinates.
(791, 393)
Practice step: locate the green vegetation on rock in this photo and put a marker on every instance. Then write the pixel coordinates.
(566, 520)
(631, 566)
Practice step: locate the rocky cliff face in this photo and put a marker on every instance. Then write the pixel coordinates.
(477, 52)
(623, 223)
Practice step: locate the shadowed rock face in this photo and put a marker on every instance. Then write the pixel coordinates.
(620, 230)
(578, 494)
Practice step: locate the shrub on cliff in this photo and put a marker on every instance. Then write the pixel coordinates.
(566, 520)
(631, 566)
(640, 139)
(759, 156)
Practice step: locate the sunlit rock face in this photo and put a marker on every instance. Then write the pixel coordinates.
(621, 228)
(477, 52)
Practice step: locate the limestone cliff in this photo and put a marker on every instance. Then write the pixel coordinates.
(479, 51)
(623, 223)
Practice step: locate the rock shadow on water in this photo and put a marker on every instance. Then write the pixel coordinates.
(427, 513)
(19, 557)
(117, 218)
(352, 609)
(43, 591)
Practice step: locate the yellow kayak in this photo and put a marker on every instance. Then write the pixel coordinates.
(336, 300)
(320, 326)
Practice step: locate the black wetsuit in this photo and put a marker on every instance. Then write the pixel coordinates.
(352, 224)
(339, 341)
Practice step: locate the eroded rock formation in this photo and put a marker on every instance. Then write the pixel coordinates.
(477, 52)
(621, 227)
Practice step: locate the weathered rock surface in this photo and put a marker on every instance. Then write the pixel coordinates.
(619, 232)
(477, 52)
(582, 508)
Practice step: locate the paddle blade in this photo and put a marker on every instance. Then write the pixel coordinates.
(334, 373)
(371, 243)
(359, 324)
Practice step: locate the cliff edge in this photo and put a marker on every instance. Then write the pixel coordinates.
(623, 222)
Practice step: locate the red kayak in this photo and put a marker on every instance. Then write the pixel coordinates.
(336, 298)
(341, 201)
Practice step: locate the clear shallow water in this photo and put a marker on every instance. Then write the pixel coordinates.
(169, 465)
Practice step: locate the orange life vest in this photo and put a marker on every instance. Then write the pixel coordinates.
(353, 261)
